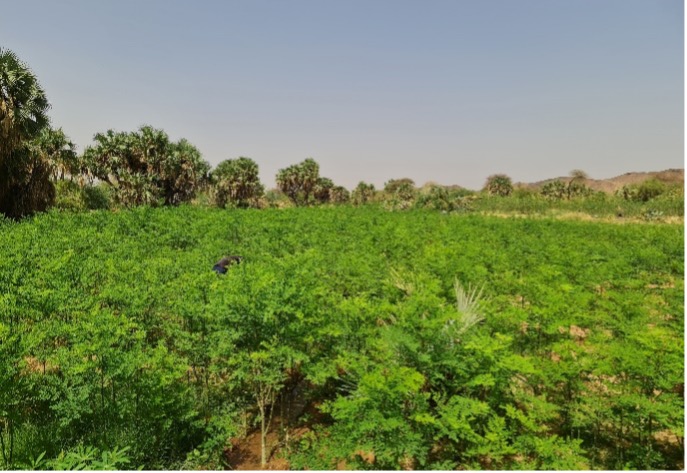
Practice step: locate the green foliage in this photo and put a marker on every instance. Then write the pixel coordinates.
(323, 190)
(237, 182)
(68, 195)
(522, 192)
(363, 194)
(555, 190)
(499, 185)
(72, 196)
(399, 194)
(85, 458)
(345, 335)
(275, 198)
(339, 195)
(392, 186)
(145, 168)
(25, 185)
(590, 204)
(559, 190)
(96, 197)
(303, 185)
(576, 190)
(647, 190)
(443, 199)
(55, 148)
(299, 181)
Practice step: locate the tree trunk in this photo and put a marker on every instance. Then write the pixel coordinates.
(263, 438)
(2, 448)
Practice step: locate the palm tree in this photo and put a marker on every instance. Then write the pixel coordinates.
(145, 166)
(237, 182)
(298, 181)
(363, 193)
(59, 152)
(323, 189)
(399, 194)
(25, 184)
(182, 172)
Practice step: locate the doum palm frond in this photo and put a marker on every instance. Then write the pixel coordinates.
(469, 308)
(24, 177)
(23, 104)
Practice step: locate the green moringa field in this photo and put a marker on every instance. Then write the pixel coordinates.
(347, 337)
(161, 313)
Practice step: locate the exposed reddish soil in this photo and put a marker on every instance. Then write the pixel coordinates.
(245, 453)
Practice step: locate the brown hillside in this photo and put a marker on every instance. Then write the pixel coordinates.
(669, 176)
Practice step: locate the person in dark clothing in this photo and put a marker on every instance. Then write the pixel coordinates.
(221, 266)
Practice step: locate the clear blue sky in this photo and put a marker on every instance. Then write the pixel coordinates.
(445, 91)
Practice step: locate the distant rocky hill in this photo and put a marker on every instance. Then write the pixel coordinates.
(669, 176)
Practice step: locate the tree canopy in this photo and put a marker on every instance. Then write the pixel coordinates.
(237, 182)
(299, 181)
(25, 185)
(499, 184)
(55, 147)
(145, 167)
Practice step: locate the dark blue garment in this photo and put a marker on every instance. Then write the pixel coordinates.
(219, 269)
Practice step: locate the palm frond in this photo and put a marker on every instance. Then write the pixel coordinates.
(469, 308)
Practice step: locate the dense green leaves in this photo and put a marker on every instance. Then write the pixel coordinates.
(237, 183)
(54, 147)
(300, 181)
(145, 167)
(499, 184)
(363, 193)
(25, 185)
(342, 335)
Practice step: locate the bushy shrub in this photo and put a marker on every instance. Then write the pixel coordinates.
(643, 192)
(523, 193)
(555, 190)
(399, 194)
(68, 196)
(97, 197)
(72, 196)
(440, 198)
(275, 198)
(499, 184)
(363, 193)
(339, 195)
(577, 189)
